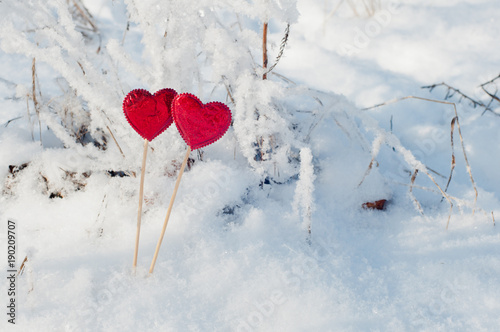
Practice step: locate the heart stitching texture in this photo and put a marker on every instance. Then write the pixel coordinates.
(200, 124)
(149, 114)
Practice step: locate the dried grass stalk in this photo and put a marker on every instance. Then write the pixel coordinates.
(264, 50)
(284, 40)
(455, 120)
(82, 15)
(35, 100)
(412, 183)
(21, 268)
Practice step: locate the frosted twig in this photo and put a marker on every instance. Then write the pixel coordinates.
(228, 89)
(459, 202)
(461, 140)
(490, 81)
(377, 143)
(282, 49)
(87, 17)
(367, 171)
(412, 183)
(116, 142)
(455, 119)
(492, 96)
(29, 117)
(286, 79)
(12, 120)
(303, 201)
(127, 28)
(35, 101)
(451, 92)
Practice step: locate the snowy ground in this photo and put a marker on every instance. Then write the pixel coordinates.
(236, 256)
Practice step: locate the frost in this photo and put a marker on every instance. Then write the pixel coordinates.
(303, 201)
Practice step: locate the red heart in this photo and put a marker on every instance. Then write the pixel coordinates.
(149, 114)
(198, 124)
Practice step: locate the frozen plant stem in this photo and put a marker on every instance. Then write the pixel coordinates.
(169, 210)
(304, 199)
(417, 204)
(21, 268)
(453, 163)
(443, 193)
(139, 210)
(29, 116)
(116, 142)
(264, 50)
(35, 101)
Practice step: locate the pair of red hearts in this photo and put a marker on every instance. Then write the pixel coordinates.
(199, 124)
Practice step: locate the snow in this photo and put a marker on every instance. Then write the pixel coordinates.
(237, 255)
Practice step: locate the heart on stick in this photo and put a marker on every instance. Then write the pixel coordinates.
(149, 114)
(200, 124)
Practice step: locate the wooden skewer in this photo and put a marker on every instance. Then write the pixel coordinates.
(172, 199)
(139, 210)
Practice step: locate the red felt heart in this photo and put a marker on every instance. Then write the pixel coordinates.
(199, 124)
(149, 114)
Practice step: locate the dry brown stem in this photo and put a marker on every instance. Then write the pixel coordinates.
(35, 101)
(264, 50)
(84, 17)
(455, 119)
(412, 183)
(21, 268)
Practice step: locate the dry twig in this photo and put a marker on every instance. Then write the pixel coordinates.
(282, 49)
(33, 95)
(81, 15)
(412, 183)
(443, 193)
(264, 50)
(455, 119)
(452, 92)
(21, 268)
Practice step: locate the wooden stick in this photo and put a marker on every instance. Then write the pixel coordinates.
(172, 199)
(139, 210)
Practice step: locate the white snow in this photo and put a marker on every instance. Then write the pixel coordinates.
(237, 255)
